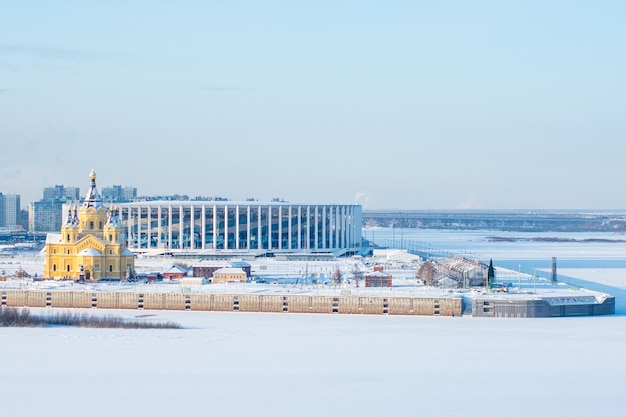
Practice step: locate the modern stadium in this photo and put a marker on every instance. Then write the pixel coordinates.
(229, 228)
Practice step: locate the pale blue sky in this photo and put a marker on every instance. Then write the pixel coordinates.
(393, 104)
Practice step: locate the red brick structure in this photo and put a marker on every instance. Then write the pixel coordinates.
(378, 279)
(175, 272)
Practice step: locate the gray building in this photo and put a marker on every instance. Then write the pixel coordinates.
(46, 215)
(119, 194)
(9, 210)
(61, 192)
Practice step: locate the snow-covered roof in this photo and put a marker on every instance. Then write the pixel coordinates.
(396, 255)
(89, 252)
(214, 263)
(460, 263)
(175, 268)
(54, 238)
(377, 274)
(229, 271)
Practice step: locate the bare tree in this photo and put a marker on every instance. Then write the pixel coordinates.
(337, 275)
(427, 273)
(357, 274)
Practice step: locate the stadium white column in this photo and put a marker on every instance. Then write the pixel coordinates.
(225, 226)
(259, 230)
(308, 228)
(347, 231)
(299, 227)
(331, 229)
(280, 227)
(323, 227)
(315, 228)
(215, 226)
(340, 242)
(359, 226)
(129, 221)
(248, 228)
(203, 225)
(354, 225)
(140, 221)
(350, 226)
(192, 228)
(137, 228)
(159, 215)
(269, 227)
(149, 230)
(169, 226)
(181, 217)
(289, 227)
(337, 227)
(345, 226)
(237, 226)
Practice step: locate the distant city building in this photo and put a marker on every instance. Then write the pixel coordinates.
(9, 210)
(61, 193)
(23, 220)
(46, 215)
(118, 194)
(91, 245)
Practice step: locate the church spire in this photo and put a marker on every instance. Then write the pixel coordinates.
(70, 217)
(93, 199)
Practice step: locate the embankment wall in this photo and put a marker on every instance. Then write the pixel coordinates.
(233, 302)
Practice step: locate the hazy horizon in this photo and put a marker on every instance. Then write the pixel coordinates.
(394, 105)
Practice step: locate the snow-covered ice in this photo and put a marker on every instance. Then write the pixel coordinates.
(236, 364)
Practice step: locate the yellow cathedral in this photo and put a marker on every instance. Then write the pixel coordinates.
(91, 245)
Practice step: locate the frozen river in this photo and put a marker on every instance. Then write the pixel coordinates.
(274, 365)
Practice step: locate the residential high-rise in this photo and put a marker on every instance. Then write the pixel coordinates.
(9, 210)
(46, 215)
(61, 192)
(118, 194)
